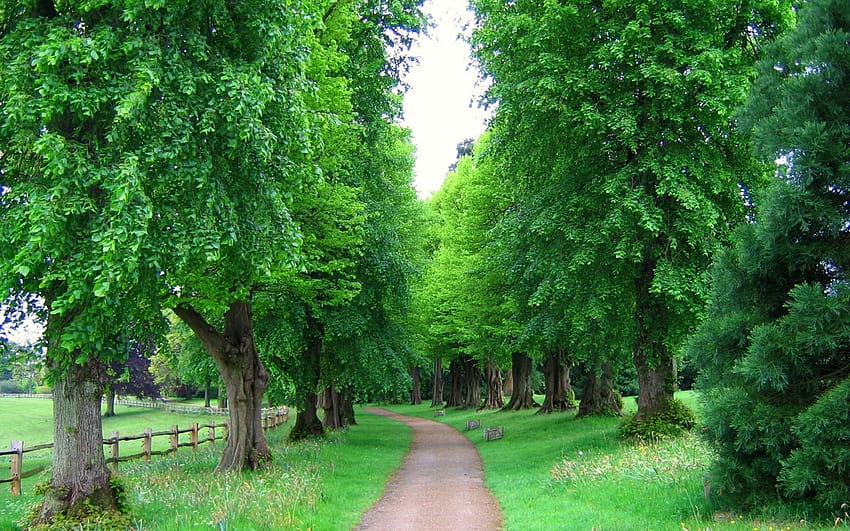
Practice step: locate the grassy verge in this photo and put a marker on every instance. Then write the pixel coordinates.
(311, 485)
(559, 472)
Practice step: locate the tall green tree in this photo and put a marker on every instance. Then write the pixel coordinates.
(614, 124)
(774, 348)
(148, 152)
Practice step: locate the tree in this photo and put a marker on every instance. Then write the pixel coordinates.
(143, 158)
(131, 376)
(614, 125)
(773, 350)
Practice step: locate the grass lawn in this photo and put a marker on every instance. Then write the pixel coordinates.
(559, 472)
(312, 485)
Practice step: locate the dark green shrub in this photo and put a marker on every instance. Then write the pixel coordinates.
(674, 421)
(819, 467)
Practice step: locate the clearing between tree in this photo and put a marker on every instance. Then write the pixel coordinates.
(439, 485)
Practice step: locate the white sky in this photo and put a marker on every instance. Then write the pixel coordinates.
(441, 106)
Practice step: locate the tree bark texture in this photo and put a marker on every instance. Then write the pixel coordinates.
(508, 386)
(522, 395)
(559, 393)
(437, 384)
(80, 479)
(307, 423)
(331, 402)
(599, 396)
(416, 389)
(455, 398)
(472, 383)
(235, 353)
(651, 357)
(493, 377)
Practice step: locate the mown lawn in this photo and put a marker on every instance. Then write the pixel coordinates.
(559, 472)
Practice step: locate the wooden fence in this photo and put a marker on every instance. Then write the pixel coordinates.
(272, 418)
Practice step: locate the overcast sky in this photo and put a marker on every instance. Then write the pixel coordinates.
(441, 105)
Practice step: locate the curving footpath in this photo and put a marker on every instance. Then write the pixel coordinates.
(439, 485)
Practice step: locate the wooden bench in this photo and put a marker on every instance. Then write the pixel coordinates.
(491, 434)
(473, 424)
(440, 413)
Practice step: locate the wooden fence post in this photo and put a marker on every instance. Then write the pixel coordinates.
(17, 466)
(211, 432)
(194, 435)
(146, 445)
(174, 437)
(226, 428)
(115, 451)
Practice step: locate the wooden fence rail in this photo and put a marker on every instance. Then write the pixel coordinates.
(272, 418)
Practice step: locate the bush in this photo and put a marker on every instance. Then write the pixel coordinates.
(10, 387)
(673, 422)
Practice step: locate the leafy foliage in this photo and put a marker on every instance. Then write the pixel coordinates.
(774, 347)
(674, 421)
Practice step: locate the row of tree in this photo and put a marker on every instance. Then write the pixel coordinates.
(236, 164)
(619, 166)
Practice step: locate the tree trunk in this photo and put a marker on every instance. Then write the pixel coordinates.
(307, 423)
(559, 393)
(416, 391)
(110, 402)
(80, 479)
(455, 398)
(347, 397)
(508, 387)
(655, 383)
(245, 378)
(522, 395)
(222, 398)
(207, 390)
(437, 384)
(493, 377)
(652, 360)
(331, 402)
(472, 380)
(599, 396)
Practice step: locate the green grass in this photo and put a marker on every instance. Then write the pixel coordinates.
(559, 472)
(549, 472)
(310, 485)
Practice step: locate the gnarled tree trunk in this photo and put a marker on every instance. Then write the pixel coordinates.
(245, 378)
(472, 383)
(455, 398)
(559, 393)
(80, 479)
(599, 396)
(416, 389)
(437, 384)
(307, 423)
(522, 395)
(493, 378)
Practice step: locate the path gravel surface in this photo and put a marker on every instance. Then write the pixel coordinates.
(439, 486)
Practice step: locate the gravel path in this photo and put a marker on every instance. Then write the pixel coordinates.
(438, 486)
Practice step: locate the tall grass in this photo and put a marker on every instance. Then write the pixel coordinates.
(312, 485)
